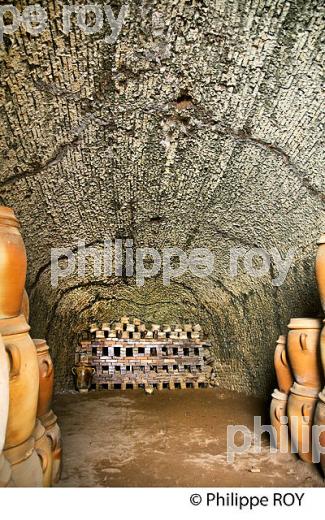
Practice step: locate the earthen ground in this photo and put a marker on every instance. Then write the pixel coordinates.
(171, 438)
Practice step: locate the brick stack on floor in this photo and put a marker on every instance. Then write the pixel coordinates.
(30, 444)
(299, 400)
(130, 355)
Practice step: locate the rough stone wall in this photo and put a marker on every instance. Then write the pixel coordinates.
(199, 127)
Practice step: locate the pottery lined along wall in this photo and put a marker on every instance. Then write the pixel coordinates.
(299, 364)
(29, 441)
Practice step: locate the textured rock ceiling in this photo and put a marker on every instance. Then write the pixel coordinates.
(200, 127)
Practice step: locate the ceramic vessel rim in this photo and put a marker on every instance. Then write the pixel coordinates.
(279, 396)
(15, 325)
(8, 214)
(306, 323)
(304, 391)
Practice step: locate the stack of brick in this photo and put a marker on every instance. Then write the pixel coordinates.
(131, 355)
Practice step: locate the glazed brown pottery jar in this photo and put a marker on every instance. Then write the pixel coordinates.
(278, 412)
(13, 264)
(43, 447)
(282, 369)
(53, 432)
(24, 380)
(26, 468)
(301, 407)
(83, 377)
(304, 351)
(46, 377)
(320, 269)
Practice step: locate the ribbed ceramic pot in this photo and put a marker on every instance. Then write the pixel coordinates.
(319, 420)
(282, 368)
(279, 421)
(4, 393)
(49, 421)
(320, 269)
(13, 264)
(43, 447)
(304, 351)
(25, 465)
(24, 380)
(46, 377)
(301, 408)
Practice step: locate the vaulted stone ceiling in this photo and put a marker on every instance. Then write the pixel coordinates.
(199, 127)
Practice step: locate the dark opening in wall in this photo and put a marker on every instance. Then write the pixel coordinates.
(129, 352)
(117, 351)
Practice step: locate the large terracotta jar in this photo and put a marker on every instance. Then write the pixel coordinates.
(25, 464)
(4, 393)
(46, 377)
(322, 347)
(319, 420)
(49, 421)
(278, 415)
(5, 472)
(25, 306)
(13, 264)
(301, 407)
(24, 380)
(304, 351)
(43, 447)
(320, 269)
(282, 369)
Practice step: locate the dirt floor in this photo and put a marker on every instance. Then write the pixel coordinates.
(170, 438)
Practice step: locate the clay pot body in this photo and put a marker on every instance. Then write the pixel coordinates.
(25, 306)
(5, 472)
(83, 377)
(13, 264)
(301, 407)
(319, 420)
(43, 447)
(322, 347)
(24, 380)
(25, 465)
(282, 369)
(4, 393)
(304, 351)
(46, 377)
(53, 432)
(320, 269)
(278, 410)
